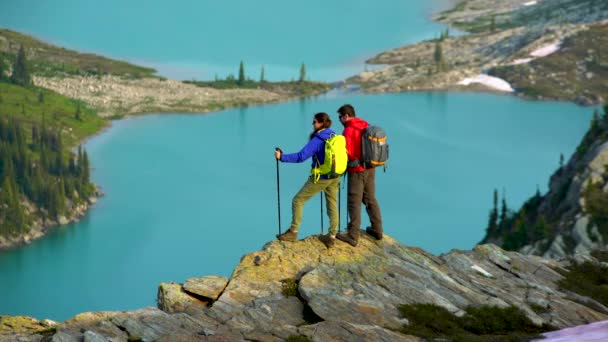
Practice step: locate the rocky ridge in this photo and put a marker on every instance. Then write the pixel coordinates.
(115, 95)
(518, 31)
(344, 293)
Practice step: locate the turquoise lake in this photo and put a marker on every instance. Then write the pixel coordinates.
(188, 195)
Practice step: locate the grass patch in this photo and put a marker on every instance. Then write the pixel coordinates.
(53, 61)
(294, 88)
(55, 110)
(484, 323)
(290, 287)
(538, 309)
(587, 279)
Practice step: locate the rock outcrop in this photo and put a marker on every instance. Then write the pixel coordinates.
(344, 293)
(571, 218)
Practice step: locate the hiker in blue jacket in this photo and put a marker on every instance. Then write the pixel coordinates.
(315, 148)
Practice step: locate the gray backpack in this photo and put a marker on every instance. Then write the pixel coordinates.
(374, 147)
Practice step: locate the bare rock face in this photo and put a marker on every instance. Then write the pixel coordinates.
(210, 286)
(343, 293)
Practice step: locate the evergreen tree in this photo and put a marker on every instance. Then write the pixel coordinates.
(503, 213)
(241, 80)
(77, 114)
(262, 80)
(86, 168)
(493, 24)
(438, 55)
(302, 73)
(493, 219)
(2, 68)
(40, 97)
(561, 161)
(21, 75)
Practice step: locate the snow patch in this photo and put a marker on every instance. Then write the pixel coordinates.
(545, 50)
(530, 3)
(482, 271)
(489, 81)
(540, 52)
(597, 331)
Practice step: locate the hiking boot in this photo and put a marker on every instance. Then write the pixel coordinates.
(346, 237)
(373, 233)
(289, 235)
(328, 240)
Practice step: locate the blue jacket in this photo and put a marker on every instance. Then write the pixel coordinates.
(315, 146)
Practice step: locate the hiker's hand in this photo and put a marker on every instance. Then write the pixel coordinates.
(277, 154)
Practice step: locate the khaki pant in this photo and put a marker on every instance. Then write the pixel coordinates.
(310, 188)
(362, 188)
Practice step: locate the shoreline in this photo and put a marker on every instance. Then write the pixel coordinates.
(41, 227)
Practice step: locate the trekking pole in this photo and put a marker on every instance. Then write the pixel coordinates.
(278, 192)
(339, 205)
(321, 212)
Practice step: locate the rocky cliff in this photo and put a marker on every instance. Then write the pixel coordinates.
(342, 294)
(572, 218)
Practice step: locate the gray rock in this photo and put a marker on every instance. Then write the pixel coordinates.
(210, 287)
(90, 336)
(64, 337)
(171, 298)
(344, 331)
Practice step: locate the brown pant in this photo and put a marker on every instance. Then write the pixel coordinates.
(362, 188)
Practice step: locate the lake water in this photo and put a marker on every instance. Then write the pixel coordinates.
(188, 195)
(188, 39)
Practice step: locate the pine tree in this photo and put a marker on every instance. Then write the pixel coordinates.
(561, 161)
(241, 80)
(21, 75)
(77, 114)
(2, 68)
(493, 24)
(438, 54)
(302, 73)
(40, 97)
(503, 213)
(262, 80)
(493, 219)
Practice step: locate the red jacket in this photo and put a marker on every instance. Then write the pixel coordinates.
(352, 133)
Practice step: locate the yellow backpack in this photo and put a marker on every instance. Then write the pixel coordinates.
(336, 158)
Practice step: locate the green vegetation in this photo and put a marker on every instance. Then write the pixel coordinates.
(54, 61)
(21, 76)
(75, 119)
(587, 279)
(600, 255)
(576, 72)
(38, 129)
(302, 73)
(38, 169)
(484, 323)
(290, 287)
(241, 80)
(293, 88)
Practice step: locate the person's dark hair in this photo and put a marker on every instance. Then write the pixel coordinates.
(324, 120)
(347, 110)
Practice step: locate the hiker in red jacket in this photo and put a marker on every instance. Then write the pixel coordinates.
(361, 181)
